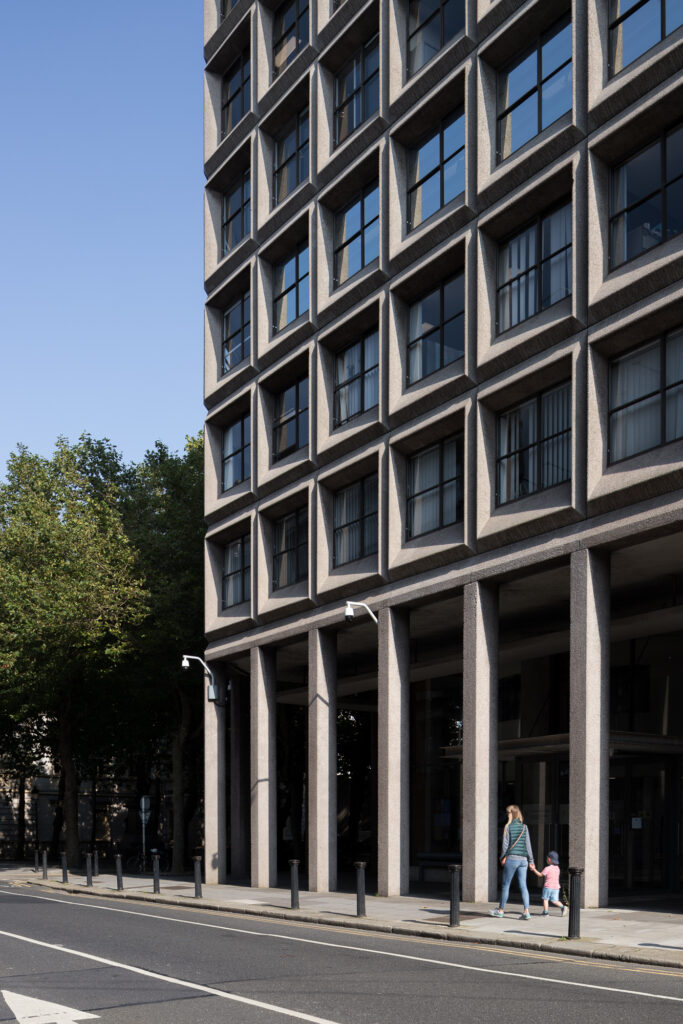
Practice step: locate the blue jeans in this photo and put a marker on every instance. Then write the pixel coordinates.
(514, 866)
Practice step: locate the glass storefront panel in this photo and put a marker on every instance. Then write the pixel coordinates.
(292, 752)
(646, 764)
(357, 782)
(646, 686)
(435, 776)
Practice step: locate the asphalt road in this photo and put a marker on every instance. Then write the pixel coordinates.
(136, 964)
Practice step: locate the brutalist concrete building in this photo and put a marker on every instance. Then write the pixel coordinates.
(444, 380)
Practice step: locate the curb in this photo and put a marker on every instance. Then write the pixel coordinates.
(562, 946)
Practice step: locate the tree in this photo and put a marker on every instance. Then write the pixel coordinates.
(70, 595)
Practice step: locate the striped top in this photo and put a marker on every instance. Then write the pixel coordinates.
(511, 833)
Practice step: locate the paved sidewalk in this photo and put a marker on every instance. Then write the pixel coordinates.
(637, 935)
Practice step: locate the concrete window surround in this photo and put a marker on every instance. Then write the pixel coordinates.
(638, 30)
(532, 89)
(236, 453)
(426, 36)
(226, 620)
(290, 32)
(236, 571)
(274, 602)
(534, 457)
(216, 381)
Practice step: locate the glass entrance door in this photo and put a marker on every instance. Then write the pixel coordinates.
(644, 823)
(541, 788)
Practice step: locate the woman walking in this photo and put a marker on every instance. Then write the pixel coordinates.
(516, 857)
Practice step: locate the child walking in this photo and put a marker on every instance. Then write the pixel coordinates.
(551, 883)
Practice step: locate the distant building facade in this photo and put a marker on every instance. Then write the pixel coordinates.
(444, 378)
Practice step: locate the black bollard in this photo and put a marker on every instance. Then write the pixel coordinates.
(44, 863)
(574, 931)
(96, 864)
(455, 870)
(155, 869)
(37, 860)
(359, 865)
(119, 872)
(197, 877)
(65, 871)
(88, 869)
(294, 882)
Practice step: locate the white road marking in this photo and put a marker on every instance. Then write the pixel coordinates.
(28, 1010)
(340, 945)
(219, 993)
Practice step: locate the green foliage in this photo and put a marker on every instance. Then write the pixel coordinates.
(70, 592)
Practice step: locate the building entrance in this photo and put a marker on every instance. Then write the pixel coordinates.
(644, 823)
(540, 786)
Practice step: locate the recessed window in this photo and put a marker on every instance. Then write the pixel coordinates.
(356, 379)
(535, 268)
(436, 170)
(647, 198)
(290, 549)
(431, 24)
(290, 289)
(237, 571)
(646, 397)
(290, 32)
(291, 157)
(637, 25)
(236, 333)
(536, 89)
(236, 100)
(290, 420)
(356, 91)
(436, 329)
(236, 214)
(534, 445)
(236, 453)
(355, 521)
(435, 487)
(356, 235)
(226, 7)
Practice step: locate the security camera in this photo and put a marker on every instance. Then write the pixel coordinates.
(185, 662)
(348, 614)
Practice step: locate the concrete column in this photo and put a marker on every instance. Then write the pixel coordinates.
(393, 753)
(239, 779)
(263, 769)
(215, 783)
(480, 742)
(589, 669)
(322, 761)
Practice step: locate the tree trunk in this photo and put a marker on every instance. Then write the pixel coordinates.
(70, 777)
(93, 799)
(58, 820)
(21, 818)
(178, 760)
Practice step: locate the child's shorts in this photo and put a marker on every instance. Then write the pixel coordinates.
(550, 894)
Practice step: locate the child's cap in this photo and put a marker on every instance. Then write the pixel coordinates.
(553, 857)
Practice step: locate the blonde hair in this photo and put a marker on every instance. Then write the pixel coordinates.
(514, 813)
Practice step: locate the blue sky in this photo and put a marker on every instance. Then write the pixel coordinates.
(101, 277)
